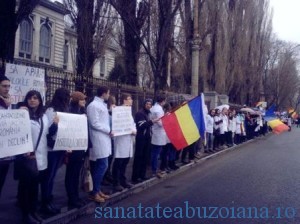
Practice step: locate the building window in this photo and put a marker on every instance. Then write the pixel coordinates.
(66, 55)
(102, 66)
(45, 43)
(26, 33)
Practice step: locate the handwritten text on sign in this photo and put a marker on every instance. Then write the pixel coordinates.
(15, 133)
(23, 79)
(72, 132)
(122, 120)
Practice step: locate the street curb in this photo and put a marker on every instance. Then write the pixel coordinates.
(71, 215)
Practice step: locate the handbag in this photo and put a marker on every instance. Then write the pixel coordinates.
(28, 164)
(86, 177)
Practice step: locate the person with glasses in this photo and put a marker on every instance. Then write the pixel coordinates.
(4, 105)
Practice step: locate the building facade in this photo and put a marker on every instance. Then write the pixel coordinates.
(45, 38)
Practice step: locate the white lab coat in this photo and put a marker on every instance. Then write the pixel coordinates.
(159, 136)
(42, 151)
(123, 145)
(99, 129)
(209, 124)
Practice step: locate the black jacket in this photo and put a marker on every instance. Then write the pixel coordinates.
(143, 124)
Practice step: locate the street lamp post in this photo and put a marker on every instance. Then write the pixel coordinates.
(195, 50)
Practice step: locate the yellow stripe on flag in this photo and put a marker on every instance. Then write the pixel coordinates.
(277, 126)
(187, 124)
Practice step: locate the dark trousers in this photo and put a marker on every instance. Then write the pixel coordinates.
(216, 141)
(119, 170)
(74, 165)
(55, 160)
(155, 151)
(141, 158)
(4, 165)
(164, 156)
(189, 149)
(28, 194)
(228, 136)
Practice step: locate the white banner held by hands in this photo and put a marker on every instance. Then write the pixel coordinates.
(15, 133)
(72, 133)
(122, 120)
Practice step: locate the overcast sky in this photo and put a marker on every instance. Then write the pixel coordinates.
(286, 19)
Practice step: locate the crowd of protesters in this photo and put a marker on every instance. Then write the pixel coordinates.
(108, 155)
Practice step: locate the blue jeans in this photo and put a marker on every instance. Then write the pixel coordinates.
(154, 157)
(55, 161)
(98, 169)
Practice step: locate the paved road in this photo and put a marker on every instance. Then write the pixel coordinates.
(263, 175)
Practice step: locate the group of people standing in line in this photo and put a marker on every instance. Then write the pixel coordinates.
(226, 128)
(108, 155)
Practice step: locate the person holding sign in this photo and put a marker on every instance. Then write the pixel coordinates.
(60, 103)
(31, 163)
(100, 136)
(75, 159)
(4, 105)
(123, 149)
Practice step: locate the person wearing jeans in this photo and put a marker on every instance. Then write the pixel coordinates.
(158, 139)
(97, 168)
(59, 103)
(100, 136)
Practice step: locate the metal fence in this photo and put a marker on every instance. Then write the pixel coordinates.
(57, 78)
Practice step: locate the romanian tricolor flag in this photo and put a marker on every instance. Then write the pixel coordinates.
(185, 125)
(277, 126)
(293, 113)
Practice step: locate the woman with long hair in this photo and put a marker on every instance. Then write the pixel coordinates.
(60, 103)
(32, 163)
(76, 158)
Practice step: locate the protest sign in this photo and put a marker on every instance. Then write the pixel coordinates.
(122, 120)
(15, 133)
(72, 133)
(23, 79)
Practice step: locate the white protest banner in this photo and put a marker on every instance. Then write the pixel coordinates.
(23, 79)
(72, 133)
(122, 120)
(15, 133)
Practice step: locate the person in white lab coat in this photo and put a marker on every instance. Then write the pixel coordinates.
(30, 164)
(100, 136)
(123, 150)
(159, 136)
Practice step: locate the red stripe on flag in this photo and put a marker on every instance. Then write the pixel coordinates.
(174, 132)
(280, 128)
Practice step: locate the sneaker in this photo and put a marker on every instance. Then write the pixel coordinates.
(102, 195)
(96, 198)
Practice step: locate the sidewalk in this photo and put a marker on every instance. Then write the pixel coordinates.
(10, 213)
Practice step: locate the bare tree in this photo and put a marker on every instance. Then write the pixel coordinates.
(10, 18)
(93, 20)
(133, 15)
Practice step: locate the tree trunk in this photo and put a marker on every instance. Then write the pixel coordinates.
(8, 27)
(132, 50)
